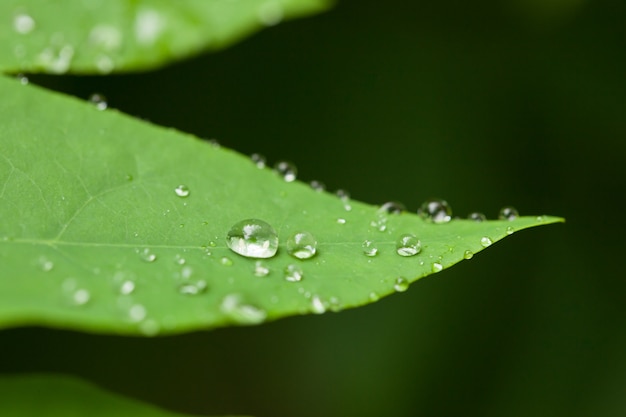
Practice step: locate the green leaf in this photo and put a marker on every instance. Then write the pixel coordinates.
(79, 36)
(65, 396)
(94, 236)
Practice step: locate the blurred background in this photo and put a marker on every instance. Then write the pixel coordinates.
(519, 102)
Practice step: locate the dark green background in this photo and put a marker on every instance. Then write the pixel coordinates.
(483, 103)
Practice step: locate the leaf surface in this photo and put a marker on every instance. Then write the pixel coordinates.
(65, 396)
(101, 36)
(95, 237)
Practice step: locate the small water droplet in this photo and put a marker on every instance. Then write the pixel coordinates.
(317, 305)
(233, 306)
(286, 170)
(259, 160)
(81, 296)
(127, 287)
(179, 260)
(46, 264)
(261, 269)
(214, 143)
(186, 272)
(253, 238)
(149, 327)
(477, 217)
(302, 245)
(485, 241)
(293, 273)
(226, 261)
(508, 213)
(510, 230)
(182, 191)
(342, 194)
(380, 223)
(23, 79)
(341, 221)
(401, 284)
(392, 207)
(408, 245)
(212, 244)
(373, 296)
(137, 313)
(23, 23)
(468, 254)
(540, 218)
(369, 249)
(271, 13)
(99, 101)
(435, 210)
(146, 255)
(317, 185)
(437, 267)
(193, 288)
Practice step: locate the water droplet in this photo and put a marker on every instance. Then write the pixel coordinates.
(436, 211)
(317, 185)
(186, 272)
(253, 238)
(380, 223)
(408, 245)
(508, 213)
(99, 101)
(437, 267)
(259, 160)
(401, 284)
(214, 143)
(510, 230)
(212, 244)
(477, 217)
(342, 194)
(468, 254)
(287, 170)
(179, 260)
(193, 288)
(56, 58)
(241, 312)
(149, 327)
(540, 218)
(261, 269)
(127, 287)
(293, 273)
(341, 221)
(137, 313)
(226, 261)
(146, 255)
(23, 79)
(46, 264)
(373, 296)
(149, 24)
(485, 241)
(302, 245)
(392, 207)
(81, 296)
(317, 305)
(182, 191)
(271, 13)
(369, 249)
(23, 23)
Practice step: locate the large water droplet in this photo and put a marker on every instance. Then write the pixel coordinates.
(293, 273)
(392, 207)
(233, 306)
(302, 245)
(253, 238)
(287, 170)
(369, 249)
(99, 101)
(508, 213)
(435, 210)
(477, 217)
(485, 241)
(261, 269)
(259, 160)
(23, 23)
(182, 191)
(401, 284)
(408, 245)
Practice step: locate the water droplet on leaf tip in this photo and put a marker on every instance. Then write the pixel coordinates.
(401, 284)
(477, 217)
(435, 210)
(286, 170)
(369, 249)
(468, 254)
(392, 207)
(485, 241)
(293, 273)
(259, 160)
(302, 245)
(182, 191)
(437, 267)
(318, 185)
(261, 269)
(408, 245)
(99, 101)
(253, 238)
(508, 213)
